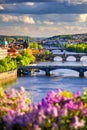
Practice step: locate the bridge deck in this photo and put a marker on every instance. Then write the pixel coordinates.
(59, 65)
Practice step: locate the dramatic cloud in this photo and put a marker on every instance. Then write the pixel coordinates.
(83, 18)
(43, 17)
(21, 1)
(45, 8)
(41, 31)
(48, 23)
(29, 3)
(1, 7)
(12, 18)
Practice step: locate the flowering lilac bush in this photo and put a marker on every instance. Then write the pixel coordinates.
(13, 101)
(61, 110)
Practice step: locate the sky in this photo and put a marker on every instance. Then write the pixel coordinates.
(43, 18)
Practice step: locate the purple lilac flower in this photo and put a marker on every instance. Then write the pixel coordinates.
(54, 112)
(78, 94)
(71, 105)
(76, 123)
(36, 127)
(84, 111)
(63, 112)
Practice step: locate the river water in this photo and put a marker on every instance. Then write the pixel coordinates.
(38, 85)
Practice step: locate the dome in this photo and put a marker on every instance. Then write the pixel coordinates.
(4, 43)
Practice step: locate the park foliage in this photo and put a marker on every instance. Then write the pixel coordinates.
(11, 63)
(7, 64)
(80, 47)
(25, 58)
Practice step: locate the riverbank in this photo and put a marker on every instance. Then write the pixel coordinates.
(7, 77)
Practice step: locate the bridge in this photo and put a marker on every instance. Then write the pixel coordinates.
(55, 48)
(63, 56)
(81, 68)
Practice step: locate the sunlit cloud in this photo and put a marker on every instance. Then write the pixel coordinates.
(13, 18)
(83, 18)
(21, 1)
(26, 19)
(55, 7)
(43, 17)
(72, 1)
(41, 31)
(29, 3)
(8, 18)
(1, 7)
(48, 23)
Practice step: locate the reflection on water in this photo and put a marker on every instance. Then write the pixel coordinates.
(8, 85)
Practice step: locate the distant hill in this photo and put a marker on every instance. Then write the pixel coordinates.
(68, 37)
(30, 39)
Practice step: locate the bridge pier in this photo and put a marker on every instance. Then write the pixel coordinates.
(78, 59)
(61, 50)
(81, 73)
(51, 59)
(63, 59)
(23, 72)
(47, 71)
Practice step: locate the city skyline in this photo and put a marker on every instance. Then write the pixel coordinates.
(43, 18)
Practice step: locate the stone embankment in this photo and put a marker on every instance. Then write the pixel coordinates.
(7, 77)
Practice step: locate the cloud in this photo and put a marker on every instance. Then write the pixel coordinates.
(26, 19)
(60, 30)
(45, 22)
(62, 17)
(21, 1)
(48, 23)
(43, 17)
(83, 18)
(45, 8)
(51, 19)
(42, 25)
(1, 7)
(20, 30)
(13, 18)
(43, 1)
(29, 3)
(42, 31)
(8, 18)
(75, 2)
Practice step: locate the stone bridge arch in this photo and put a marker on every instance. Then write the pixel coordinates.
(83, 58)
(70, 58)
(57, 58)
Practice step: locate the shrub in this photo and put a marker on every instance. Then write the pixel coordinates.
(13, 101)
(24, 58)
(7, 64)
(61, 110)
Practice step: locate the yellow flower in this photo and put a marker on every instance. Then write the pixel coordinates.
(67, 94)
(2, 94)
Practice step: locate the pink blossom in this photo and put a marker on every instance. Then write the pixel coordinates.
(78, 94)
(76, 123)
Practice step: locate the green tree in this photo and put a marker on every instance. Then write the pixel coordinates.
(25, 58)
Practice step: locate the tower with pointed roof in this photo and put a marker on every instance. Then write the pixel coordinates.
(4, 43)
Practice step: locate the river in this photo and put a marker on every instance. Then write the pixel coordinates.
(38, 85)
